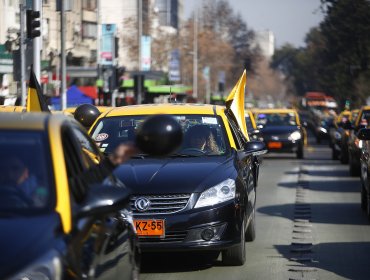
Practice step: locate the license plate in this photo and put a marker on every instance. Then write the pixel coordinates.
(152, 228)
(274, 145)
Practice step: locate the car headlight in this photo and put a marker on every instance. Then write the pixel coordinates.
(323, 130)
(47, 267)
(296, 135)
(223, 191)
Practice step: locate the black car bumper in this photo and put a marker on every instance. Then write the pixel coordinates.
(188, 230)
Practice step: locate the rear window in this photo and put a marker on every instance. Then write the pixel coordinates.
(112, 131)
(276, 119)
(25, 171)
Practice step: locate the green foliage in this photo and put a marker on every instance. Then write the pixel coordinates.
(336, 57)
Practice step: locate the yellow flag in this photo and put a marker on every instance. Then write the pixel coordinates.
(35, 99)
(235, 102)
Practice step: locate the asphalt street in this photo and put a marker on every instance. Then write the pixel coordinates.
(309, 226)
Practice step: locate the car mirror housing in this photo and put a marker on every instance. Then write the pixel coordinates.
(159, 135)
(364, 134)
(103, 199)
(255, 147)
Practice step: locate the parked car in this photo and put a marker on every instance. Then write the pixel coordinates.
(364, 135)
(201, 197)
(339, 136)
(354, 143)
(281, 130)
(64, 215)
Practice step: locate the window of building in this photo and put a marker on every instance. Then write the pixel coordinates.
(89, 5)
(89, 30)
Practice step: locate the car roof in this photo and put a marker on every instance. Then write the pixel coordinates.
(367, 107)
(278, 110)
(168, 108)
(7, 108)
(26, 120)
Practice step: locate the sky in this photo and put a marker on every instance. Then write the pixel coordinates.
(289, 20)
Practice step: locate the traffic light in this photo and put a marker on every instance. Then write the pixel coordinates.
(33, 22)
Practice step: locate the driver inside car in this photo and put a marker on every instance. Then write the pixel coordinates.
(200, 137)
(18, 175)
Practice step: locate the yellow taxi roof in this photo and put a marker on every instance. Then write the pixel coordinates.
(170, 108)
(272, 111)
(101, 109)
(27, 121)
(6, 108)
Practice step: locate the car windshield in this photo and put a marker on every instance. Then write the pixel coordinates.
(276, 119)
(25, 172)
(203, 134)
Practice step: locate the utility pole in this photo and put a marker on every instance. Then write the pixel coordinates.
(37, 43)
(22, 54)
(140, 29)
(195, 55)
(63, 66)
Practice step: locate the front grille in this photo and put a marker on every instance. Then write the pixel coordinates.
(161, 204)
(171, 236)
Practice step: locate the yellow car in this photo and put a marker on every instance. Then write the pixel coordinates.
(354, 143)
(281, 130)
(6, 108)
(202, 196)
(61, 208)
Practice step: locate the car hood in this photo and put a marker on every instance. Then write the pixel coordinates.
(25, 239)
(175, 175)
(279, 129)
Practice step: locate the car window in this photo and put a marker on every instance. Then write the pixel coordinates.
(365, 118)
(248, 122)
(26, 181)
(276, 119)
(112, 131)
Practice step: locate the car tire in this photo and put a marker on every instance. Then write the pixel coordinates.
(363, 198)
(236, 254)
(344, 154)
(353, 171)
(334, 154)
(368, 206)
(250, 233)
(300, 152)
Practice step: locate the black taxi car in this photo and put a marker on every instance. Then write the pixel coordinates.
(202, 196)
(281, 130)
(63, 215)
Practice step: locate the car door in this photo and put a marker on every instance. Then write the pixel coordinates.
(96, 242)
(244, 164)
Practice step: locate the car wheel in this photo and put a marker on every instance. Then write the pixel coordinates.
(318, 140)
(334, 154)
(353, 171)
(300, 152)
(344, 155)
(235, 255)
(368, 206)
(363, 198)
(250, 233)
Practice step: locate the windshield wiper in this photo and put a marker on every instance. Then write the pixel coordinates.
(140, 156)
(184, 155)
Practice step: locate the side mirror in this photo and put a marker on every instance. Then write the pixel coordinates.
(159, 135)
(257, 148)
(364, 134)
(103, 199)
